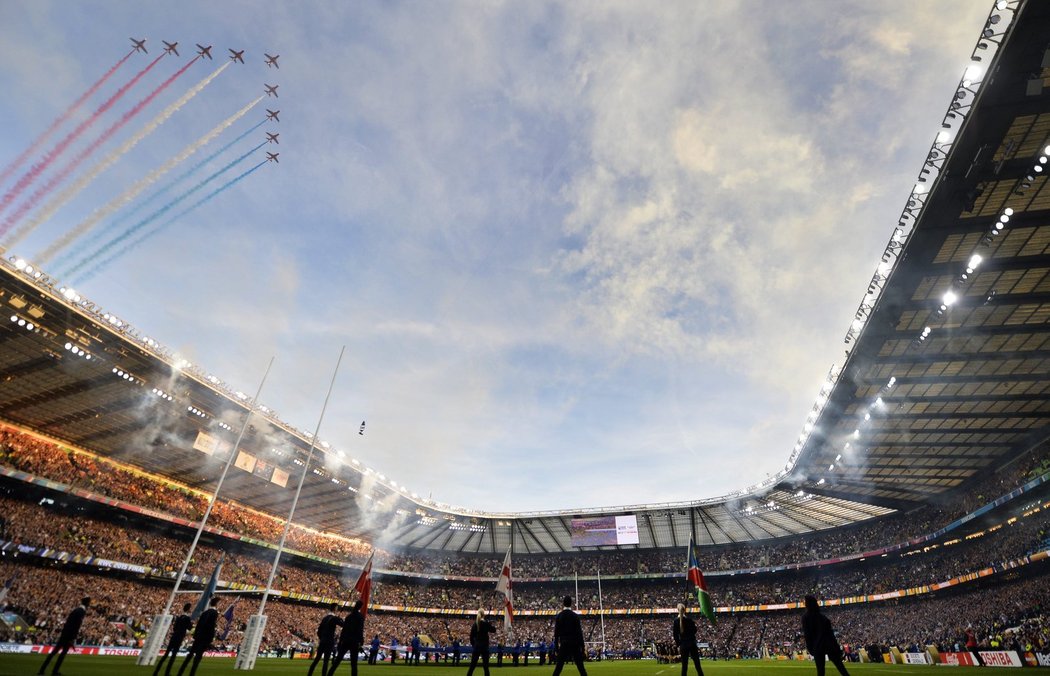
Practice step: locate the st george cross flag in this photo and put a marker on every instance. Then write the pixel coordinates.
(363, 586)
(209, 591)
(694, 575)
(503, 586)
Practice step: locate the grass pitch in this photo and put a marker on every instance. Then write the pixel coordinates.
(90, 665)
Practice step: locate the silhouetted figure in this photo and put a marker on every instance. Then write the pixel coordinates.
(820, 638)
(325, 640)
(350, 639)
(179, 628)
(684, 632)
(203, 636)
(479, 640)
(67, 638)
(568, 638)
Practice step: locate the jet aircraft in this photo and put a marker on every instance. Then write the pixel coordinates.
(204, 51)
(272, 157)
(171, 47)
(236, 56)
(272, 61)
(271, 89)
(140, 45)
(272, 115)
(272, 138)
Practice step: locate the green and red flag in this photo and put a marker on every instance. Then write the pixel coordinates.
(694, 575)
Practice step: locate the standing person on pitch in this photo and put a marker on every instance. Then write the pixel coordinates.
(479, 640)
(203, 636)
(325, 640)
(684, 632)
(350, 639)
(179, 628)
(568, 638)
(820, 638)
(67, 638)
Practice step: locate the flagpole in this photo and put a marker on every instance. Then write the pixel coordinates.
(150, 647)
(248, 661)
(601, 611)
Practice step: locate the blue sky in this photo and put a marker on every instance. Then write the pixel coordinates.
(580, 254)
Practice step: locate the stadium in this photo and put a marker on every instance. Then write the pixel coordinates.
(913, 505)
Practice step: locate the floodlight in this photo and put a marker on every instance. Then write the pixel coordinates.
(943, 136)
(838, 457)
(975, 260)
(949, 298)
(1008, 211)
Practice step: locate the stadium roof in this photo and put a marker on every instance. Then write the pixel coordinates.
(912, 415)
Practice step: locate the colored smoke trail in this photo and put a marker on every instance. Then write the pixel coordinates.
(71, 166)
(207, 198)
(108, 246)
(64, 259)
(85, 180)
(38, 168)
(39, 141)
(148, 180)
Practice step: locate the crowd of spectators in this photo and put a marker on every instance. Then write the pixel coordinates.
(122, 609)
(42, 594)
(114, 535)
(102, 476)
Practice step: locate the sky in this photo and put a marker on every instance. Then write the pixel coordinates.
(580, 254)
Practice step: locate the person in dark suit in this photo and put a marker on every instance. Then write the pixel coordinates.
(203, 636)
(179, 628)
(479, 640)
(568, 638)
(67, 638)
(820, 638)
(325, 640)
(350, 639)
(684, 632)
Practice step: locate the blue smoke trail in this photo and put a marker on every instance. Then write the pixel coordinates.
(207, 198)
(157, 214)
(66, 258)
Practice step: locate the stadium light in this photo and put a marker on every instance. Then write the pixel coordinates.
(949, 298)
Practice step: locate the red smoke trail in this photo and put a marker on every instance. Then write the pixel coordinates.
(71, 166)
(10, 169)
(43, 164)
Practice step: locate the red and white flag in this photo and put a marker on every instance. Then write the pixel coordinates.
(503, 585)
(363, 586)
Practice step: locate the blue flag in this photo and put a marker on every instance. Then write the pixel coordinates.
(228, 616)
(209, 591)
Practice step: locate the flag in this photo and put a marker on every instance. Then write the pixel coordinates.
(228, 616)
(694, 575)
(363, 586)
(209, 591)
(503, 586)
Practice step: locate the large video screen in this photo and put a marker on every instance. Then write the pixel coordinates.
(605, 530)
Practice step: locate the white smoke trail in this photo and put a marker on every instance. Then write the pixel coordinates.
(140, 185)
(71, 191)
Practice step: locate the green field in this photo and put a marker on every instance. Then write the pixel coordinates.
(26, 665)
